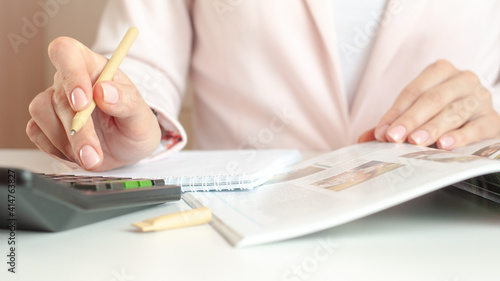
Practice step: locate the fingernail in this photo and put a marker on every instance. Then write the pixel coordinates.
(420, 136)
(78, 98)
(89, 157)
(380, 133)
(446, 142)
(397, 133)
(110, 93)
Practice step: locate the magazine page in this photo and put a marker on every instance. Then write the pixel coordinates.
(336, 188)
(487, 148)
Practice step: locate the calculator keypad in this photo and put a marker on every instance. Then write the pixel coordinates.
(99, 183)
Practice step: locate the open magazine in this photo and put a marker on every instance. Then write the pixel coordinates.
(347, 184)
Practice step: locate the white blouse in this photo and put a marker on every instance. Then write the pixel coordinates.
(356, 24)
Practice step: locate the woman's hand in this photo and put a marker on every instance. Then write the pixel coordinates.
(443, 105)
(122, 130)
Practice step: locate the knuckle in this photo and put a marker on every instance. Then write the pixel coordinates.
(434, 98)
(64, 80)
(443, 64)
(411, 93)
(38, 104)
(453, 118)
(63, 77)
(59, 100)
(460, 111)
(471, 103)
(59, 44)
(483, 95)
(469, 77)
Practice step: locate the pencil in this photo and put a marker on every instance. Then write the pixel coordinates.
(176, 220)
(107, 74)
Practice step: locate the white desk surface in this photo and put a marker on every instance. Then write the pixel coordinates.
(446, 236)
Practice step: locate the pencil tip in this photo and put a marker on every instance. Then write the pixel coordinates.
(72, 132)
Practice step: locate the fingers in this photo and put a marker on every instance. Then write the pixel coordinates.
(37, 136)
(49, 130)
(448, 108)
(76, 67)
(440, 106)
(453, 116)
(367, 136)
(46, 119)
(122, 129)
(124, 103)
(483, 127)
(432, 76)
(52, 111)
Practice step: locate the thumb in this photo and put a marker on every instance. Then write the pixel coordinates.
(367, 136)
(126, 105)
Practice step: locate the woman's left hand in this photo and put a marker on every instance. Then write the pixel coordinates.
(443, 105)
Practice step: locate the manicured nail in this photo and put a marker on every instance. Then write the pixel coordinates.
(89, 157)
(110, 93)
(78, 98)
(397, 133)
(446, 142)
(380, 133)
(420, 136)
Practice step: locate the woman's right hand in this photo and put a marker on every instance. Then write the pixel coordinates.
(122, 130)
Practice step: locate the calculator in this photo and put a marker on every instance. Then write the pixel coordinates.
(48, 202)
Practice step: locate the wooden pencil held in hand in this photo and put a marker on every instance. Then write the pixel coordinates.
(107, 74)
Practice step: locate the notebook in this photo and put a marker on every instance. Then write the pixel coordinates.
(217, 170)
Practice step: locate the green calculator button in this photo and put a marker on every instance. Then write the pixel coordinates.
(137, 184)
(130, 184)
(145, 183)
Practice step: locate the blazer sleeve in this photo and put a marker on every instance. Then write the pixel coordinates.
(158, 62)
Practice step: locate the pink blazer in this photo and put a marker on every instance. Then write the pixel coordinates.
(265, 72)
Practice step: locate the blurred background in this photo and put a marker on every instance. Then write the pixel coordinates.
(25, 70)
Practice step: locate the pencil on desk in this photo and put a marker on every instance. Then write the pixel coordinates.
(176, 220)
(107, 73)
